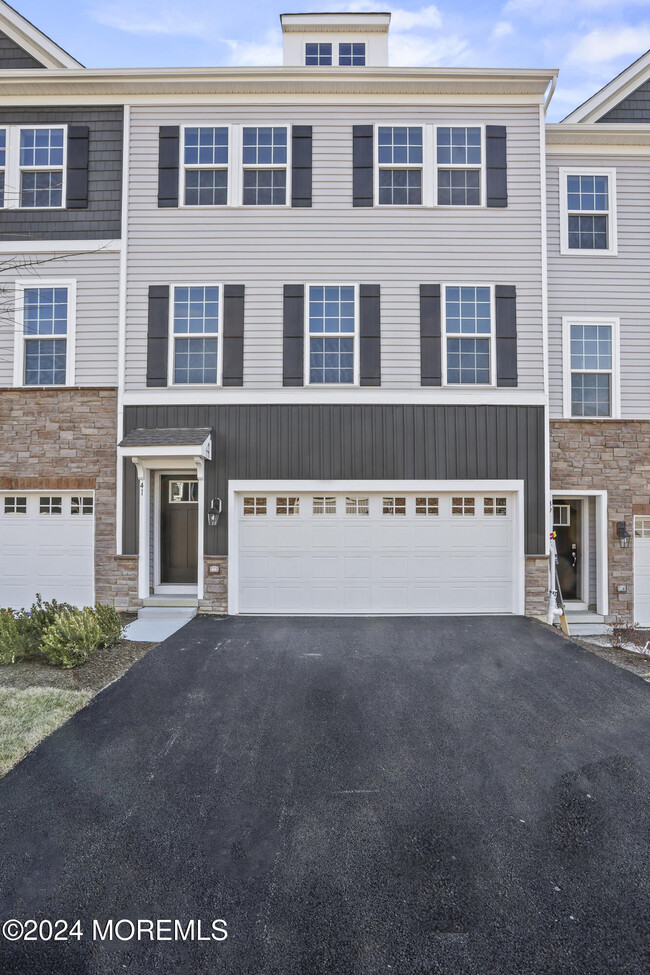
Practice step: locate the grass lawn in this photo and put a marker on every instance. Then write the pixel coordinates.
(27, 716)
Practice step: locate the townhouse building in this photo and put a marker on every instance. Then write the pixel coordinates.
(294, 339)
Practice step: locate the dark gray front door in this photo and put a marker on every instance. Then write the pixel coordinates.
(179, 529)
(568, 528)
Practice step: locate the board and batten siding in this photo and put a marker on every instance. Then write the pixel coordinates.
(607, 285)
(97, 312)
(398, 248)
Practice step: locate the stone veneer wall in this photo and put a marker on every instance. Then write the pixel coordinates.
(536, 585)
(612, 456)
(215, 592)
(65, 439)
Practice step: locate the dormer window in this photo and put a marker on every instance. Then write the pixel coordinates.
(352, 55)
(318, 53)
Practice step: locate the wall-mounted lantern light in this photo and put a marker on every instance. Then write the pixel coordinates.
(213, 512)
(622, 534)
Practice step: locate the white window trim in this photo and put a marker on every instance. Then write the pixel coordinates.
(357, 365)
(427, 195)
(13, 169)
(567, 371)
(443, 329)
(611, 213)
(19, 340)
(230, 170)
(482, 204)
(172, 337)
(238, 188)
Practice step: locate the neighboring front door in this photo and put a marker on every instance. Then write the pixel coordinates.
(179, 529)
(567, 524)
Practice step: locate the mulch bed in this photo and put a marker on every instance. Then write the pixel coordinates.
(637, 663)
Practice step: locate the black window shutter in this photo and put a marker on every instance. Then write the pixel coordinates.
(430, 336)
(505, 300)
(301, 166)
(369, 335)
(233, 335)
(496, 166)
(293, 343)
(362, 166)
(168, 163)
(157, 335)
(77, 174)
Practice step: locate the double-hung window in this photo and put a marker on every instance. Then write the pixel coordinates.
(44, 350)
(196, 333)
(468, 335)
(588, 211)
(41, 161)
(331, 334)
(205, 154)
(265, 158)
(459, 163)
(590, 367)
(399, 161)
(352, 54)
(319, 53)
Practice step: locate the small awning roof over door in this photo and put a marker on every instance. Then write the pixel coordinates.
(171, 440)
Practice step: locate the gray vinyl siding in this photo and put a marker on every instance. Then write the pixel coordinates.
(398, 248)
(13, 56)
(97, 277)
(355, 442)
(102, 218)
(634, 108)
(607, 285)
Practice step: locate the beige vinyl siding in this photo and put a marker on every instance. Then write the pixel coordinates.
(397, 248)
(617, 285)
(97, 277)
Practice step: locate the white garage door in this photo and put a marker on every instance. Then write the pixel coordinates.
(642, 571)
(375, 553)
(46, 546)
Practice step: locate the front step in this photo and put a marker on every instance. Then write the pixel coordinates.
(172, 599)
(586, 624)
(160, 616)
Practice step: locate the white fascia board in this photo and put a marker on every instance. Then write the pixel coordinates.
(185, 450)
(431, 396)
(68, 247)
(608, 97)
(32, 40)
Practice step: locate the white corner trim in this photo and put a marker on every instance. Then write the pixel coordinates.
(19, 340)
(612, 250)
(615, 323)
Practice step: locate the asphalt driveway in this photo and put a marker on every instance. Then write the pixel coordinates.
(352, 796)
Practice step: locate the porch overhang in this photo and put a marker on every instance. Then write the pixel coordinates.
(169, 442)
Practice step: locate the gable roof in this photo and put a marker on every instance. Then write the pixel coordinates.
(618, 88)
(35, 42)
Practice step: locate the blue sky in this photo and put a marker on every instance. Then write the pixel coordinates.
(589, 40)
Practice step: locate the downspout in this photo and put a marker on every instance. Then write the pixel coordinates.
(551, 92)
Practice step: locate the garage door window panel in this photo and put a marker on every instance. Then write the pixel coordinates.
(463, 506)
(394, 506)
(324, 506)
(426, 506)
(15, 505)
(51, 505)
(357, 506)
(287, 506)
(495, 506)
(254, 506)
(81, 505)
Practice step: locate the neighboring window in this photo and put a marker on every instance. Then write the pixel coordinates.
(41, 167)
(50, 506)
(318, 54)
(324, 506)
(495, 506)
(254, 506)
(264, 156)
(206, 166)
(81, 506)
(287, 506)
(399, 159)
(183, 492)
(462, 506)
(588, 211)
(357, 506)
(591, 363)
(426, 506)
(3, 163)
(561, 515)
(45, 329)
(196, 335)
(641, 527)
(459, 160)
(352, 55)
(394, 506)
(15, 506)
(331, 328)
(468, 326)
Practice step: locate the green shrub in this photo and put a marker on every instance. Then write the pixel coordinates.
(72, 638)
(18, 638)
(43, 614)
(110, 625)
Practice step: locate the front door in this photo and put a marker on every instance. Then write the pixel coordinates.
(179, 529)
(567, 524)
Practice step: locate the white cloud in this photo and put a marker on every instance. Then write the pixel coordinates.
(408, 51)
(267, 51)
(606, 44)
(403, 20)
(503, 29)
(153, 19)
